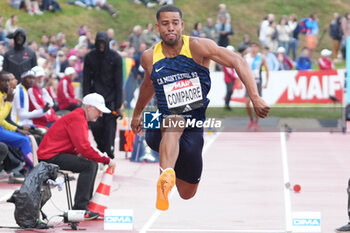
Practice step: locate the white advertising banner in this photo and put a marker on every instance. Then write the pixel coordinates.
(284, 87)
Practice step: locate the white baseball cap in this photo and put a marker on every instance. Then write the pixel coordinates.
(97, 101)
(326, 52)
(39, 71)
(27, 74)
(281, 50)
(69, 71)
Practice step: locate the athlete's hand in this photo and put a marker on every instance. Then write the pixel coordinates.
(261, 108)
(136, 124)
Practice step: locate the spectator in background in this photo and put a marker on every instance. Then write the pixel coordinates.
(110, 34)
(272, 37)
(21, 113)
(39, 97)
(3, 154)
(230, 80)
(32, 7)
(244, 45)
(210, 30)
(345, 25)
(336, 34)
(65, 91)
(82, 30)
(166, 2)
(11, 25)
(103, 74)
(284, 62)
(325, 62)
(223, 13)
(32, 45)
(263, 27)
(225, 31)
(45, 42)
(148, 36)
(11, 134)
(50, 5)
(271, 59)
(113, 45)
(105, 6)
(256, 61)
(61, 40)
(147, 3)
(283, 31)
(304, 62)
(294, 36)
(135, 38)
(70, 62)
(86, 3)
(197, 30)
(312, 33)
(51, 87)
(19, 59)
(136, 76)
(90, 40)
(3, 38)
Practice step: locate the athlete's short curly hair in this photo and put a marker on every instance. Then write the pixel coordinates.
(168, 8)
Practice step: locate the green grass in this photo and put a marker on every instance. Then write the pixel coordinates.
(246, 16)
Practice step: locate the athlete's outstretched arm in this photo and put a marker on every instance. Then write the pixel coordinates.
(209, 49)
(146, 91)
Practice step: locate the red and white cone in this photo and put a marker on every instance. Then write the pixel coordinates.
(99, 201)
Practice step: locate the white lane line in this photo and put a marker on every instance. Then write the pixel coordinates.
(287, 201)
(5, 197)
(157, 212)
(205, 230)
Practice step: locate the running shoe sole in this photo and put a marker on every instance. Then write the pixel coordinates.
(165, 183)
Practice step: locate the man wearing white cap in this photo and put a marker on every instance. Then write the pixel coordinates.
(39, 97)
(65, 91)
(67, 144)
(20, 113)
(325, 62)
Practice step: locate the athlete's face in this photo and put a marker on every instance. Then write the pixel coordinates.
(170, 27)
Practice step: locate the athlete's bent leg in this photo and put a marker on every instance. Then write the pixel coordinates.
(168, 154)
(186, 190)
(169, 145)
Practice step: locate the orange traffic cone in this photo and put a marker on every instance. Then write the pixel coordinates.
(99, 201)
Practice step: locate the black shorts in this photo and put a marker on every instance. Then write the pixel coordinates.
(189, 164)
(259, 86)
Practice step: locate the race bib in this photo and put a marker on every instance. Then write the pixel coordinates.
(184, 95)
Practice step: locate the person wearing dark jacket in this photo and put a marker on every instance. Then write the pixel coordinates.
(103, 74)
(20, 58)
(336, 34)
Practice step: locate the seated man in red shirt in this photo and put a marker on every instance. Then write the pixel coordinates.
(65, 91)
(325, 62)
(39, 97)
(67, 144)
